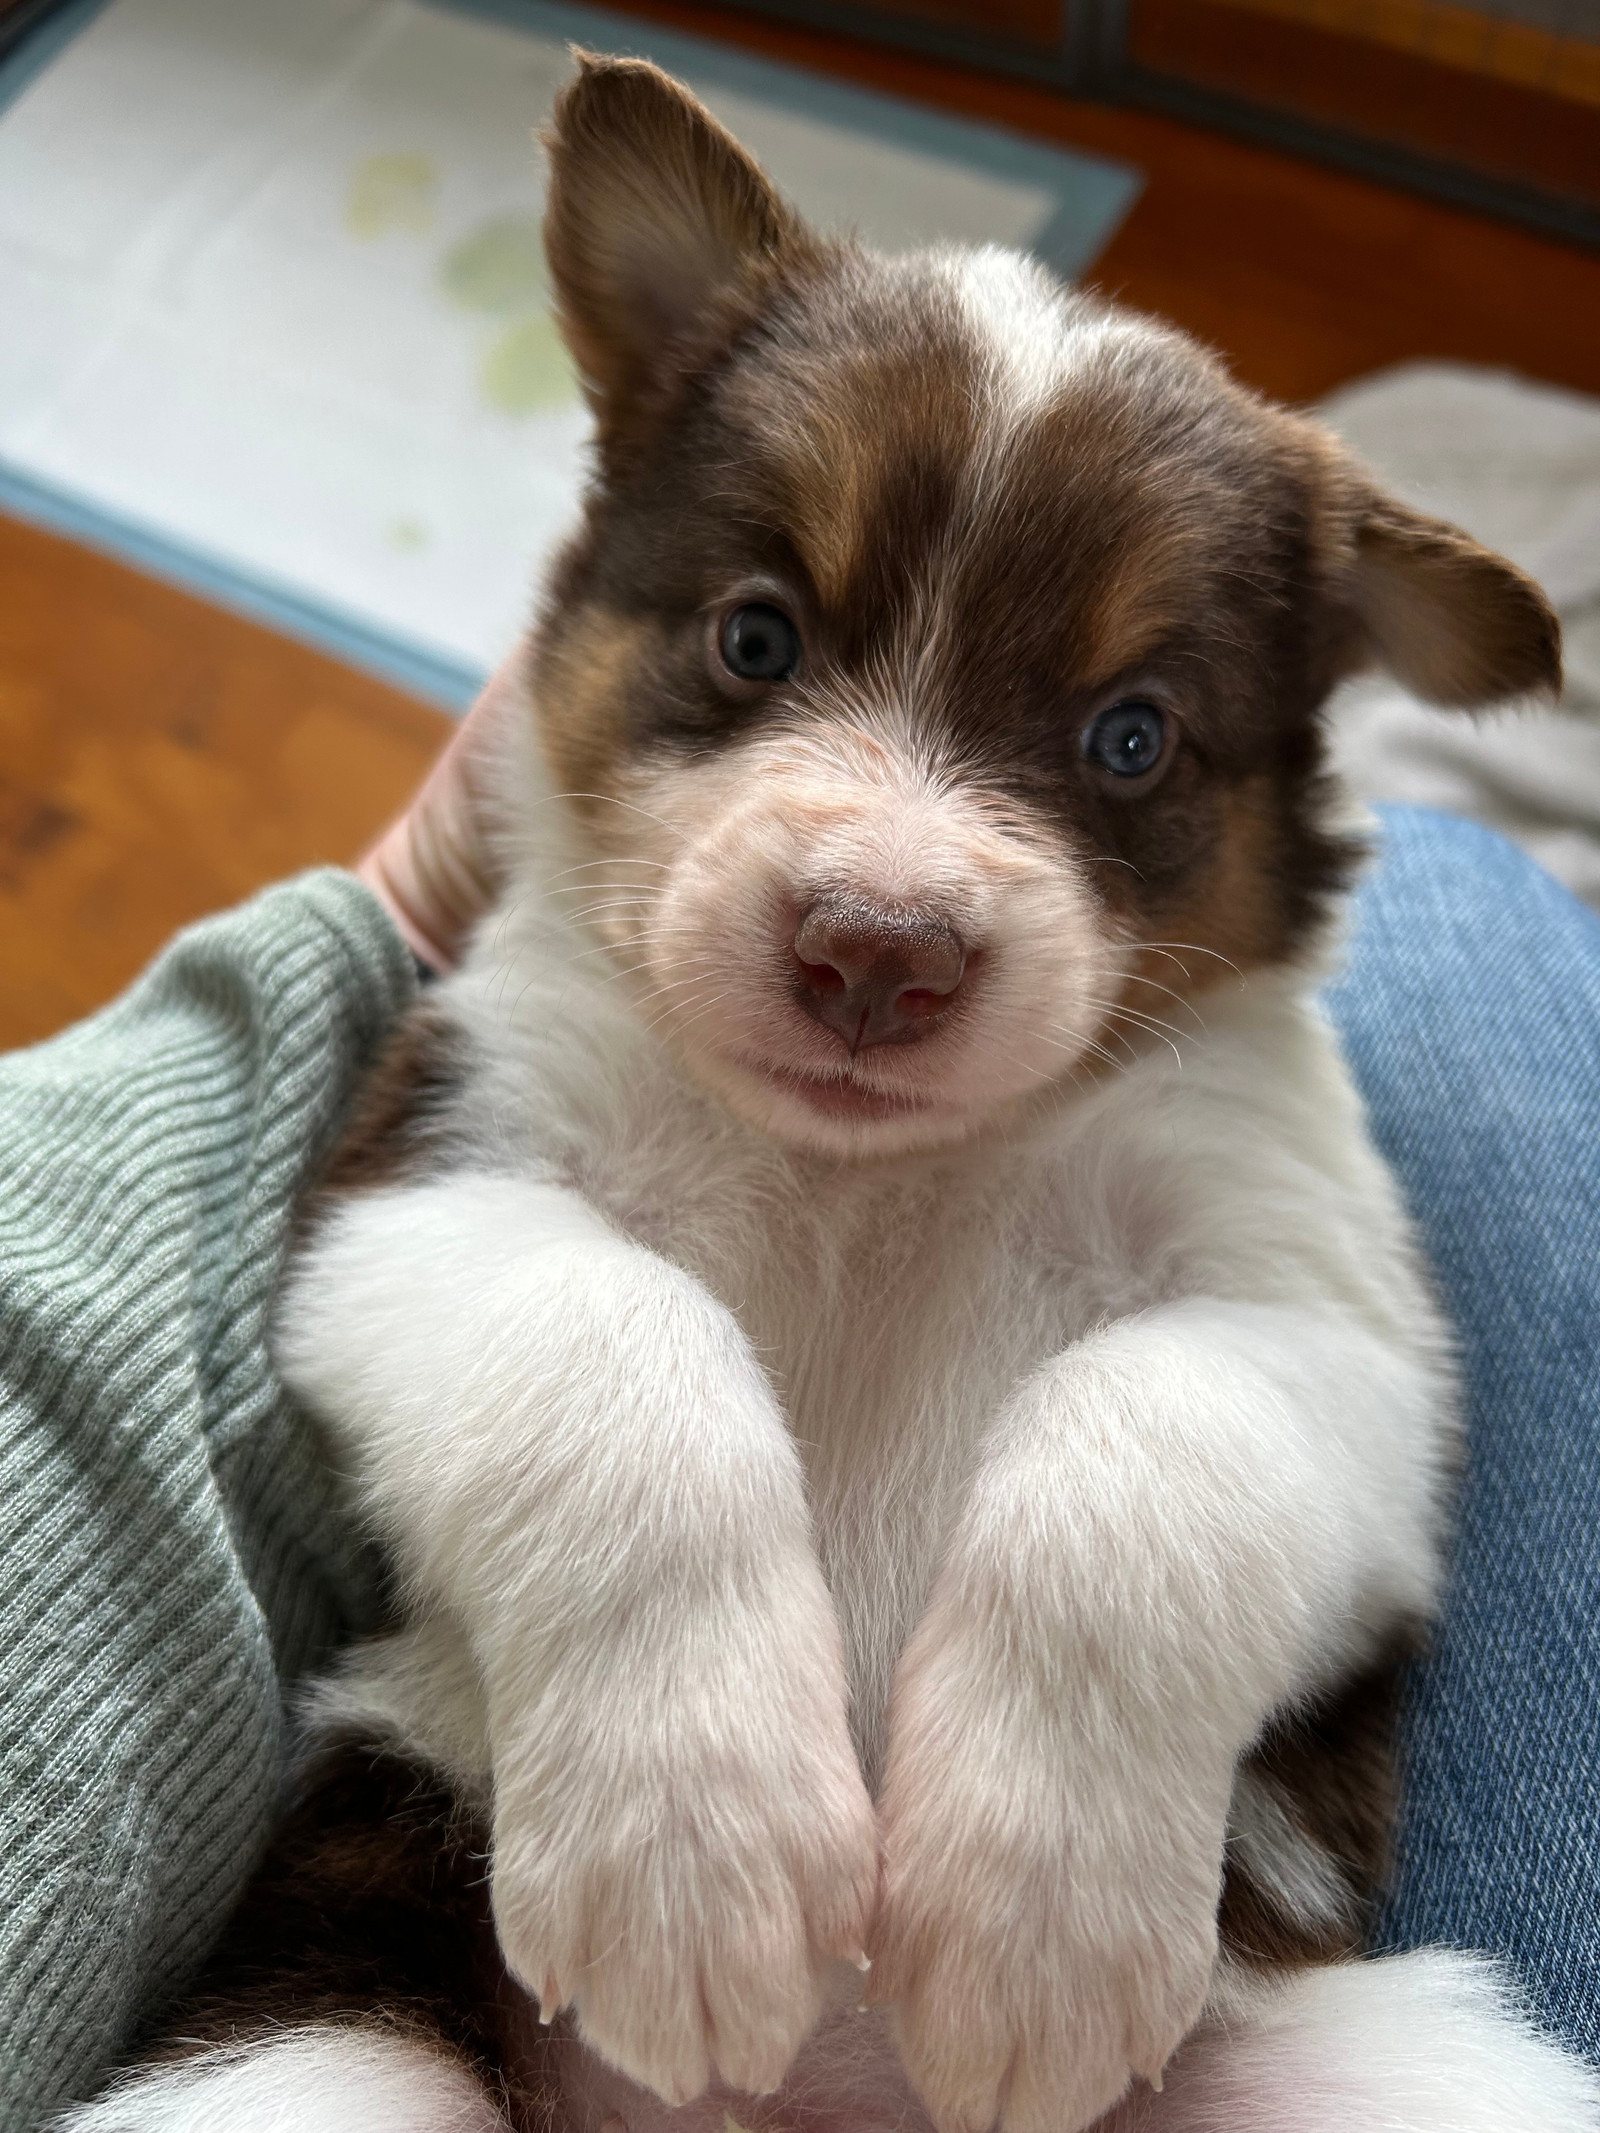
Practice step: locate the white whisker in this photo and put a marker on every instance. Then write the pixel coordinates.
(1189, 948)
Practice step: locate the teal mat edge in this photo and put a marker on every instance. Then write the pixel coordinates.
(449, 683)
(1094, 194)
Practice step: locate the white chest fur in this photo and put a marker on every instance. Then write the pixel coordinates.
(1125, 1421)
(895, 1307)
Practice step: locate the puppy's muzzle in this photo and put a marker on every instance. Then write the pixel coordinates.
(876, 973)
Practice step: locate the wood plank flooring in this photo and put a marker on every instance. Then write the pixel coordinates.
(160, 759)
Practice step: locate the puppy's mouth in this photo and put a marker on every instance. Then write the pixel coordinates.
(837, 1096)
(842, 1096)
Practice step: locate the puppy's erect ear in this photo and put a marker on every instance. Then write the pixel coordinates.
(1458, 624)
(656, 216)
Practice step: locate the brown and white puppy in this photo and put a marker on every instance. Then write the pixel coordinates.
(899, 1392)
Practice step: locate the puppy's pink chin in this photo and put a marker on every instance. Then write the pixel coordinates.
(835, 1114)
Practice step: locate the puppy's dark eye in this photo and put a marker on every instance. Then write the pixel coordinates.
(760, 643)
(1128, 739)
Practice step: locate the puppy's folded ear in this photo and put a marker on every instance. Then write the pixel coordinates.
(656, 219)
(1458, 624)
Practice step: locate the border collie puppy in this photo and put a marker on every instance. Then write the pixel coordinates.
(911, 1428)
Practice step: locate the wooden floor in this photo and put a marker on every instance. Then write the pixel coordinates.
(159, 759)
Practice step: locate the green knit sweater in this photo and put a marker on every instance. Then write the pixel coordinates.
(170, 1557)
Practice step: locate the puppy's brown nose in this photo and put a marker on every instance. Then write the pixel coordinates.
(876, 973)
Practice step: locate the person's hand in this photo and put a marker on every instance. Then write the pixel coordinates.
(433, 868)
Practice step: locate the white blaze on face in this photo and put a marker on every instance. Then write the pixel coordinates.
(740, 844)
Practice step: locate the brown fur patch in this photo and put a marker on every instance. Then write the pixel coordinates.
(583, 677)
(868, 462)
(1131, 612)
(1239, 908)
(1456, 623)
(1461, 626)
(398, 1123)
(372, 1908)
(1147, 505)
(1239, 911)
(656, 217)
(831, 492)
(1332, 1770)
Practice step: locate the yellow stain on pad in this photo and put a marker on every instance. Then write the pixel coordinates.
(498, 268)
(730, 2124)
(391, 192)
(498, 271)
(528, 368)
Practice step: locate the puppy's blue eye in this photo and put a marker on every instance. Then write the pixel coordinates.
(1127, 740)
(760, 643)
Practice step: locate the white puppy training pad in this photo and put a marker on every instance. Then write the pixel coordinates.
(273, 313)
(1518, 465)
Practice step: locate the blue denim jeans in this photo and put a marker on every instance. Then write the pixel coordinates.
(1470, 1012)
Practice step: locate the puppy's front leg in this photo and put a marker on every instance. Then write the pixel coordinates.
(1177, 1524)
(571, 1448)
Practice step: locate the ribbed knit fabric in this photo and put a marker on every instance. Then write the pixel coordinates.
(169, 1553)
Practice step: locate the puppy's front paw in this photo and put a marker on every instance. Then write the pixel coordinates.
(1048, 1919)
(681, 1851)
